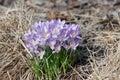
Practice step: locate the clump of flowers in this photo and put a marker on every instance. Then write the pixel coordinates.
(54, 34)
(58, 37)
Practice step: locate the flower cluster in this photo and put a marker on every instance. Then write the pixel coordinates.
(55, 34)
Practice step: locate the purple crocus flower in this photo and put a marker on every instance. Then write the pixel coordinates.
(74, 31)
(62, 36)
(57, 47)
(54, 33)
(74, 42)
(51, 43)
(66, 45)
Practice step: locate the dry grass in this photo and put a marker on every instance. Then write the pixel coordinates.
(13, 61)
(107, 68)
(103, 63)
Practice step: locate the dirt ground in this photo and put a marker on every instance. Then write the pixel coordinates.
(100, 25)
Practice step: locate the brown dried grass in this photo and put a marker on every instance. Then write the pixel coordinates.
(103, 63)
(13, 56)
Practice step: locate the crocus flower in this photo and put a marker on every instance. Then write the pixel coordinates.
(55, 34)
(74, 42)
